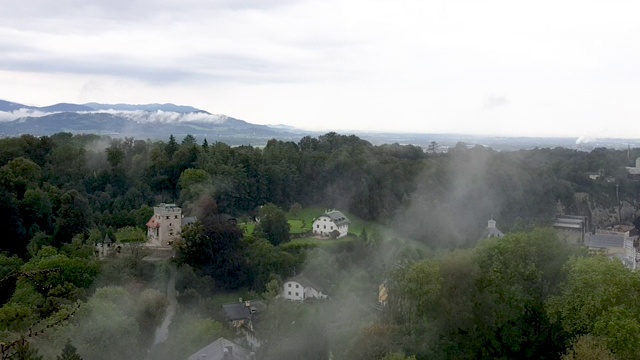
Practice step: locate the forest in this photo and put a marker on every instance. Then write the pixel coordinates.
(451, 296)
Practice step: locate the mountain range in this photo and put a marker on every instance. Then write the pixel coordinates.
(159, 121)
(154, 121)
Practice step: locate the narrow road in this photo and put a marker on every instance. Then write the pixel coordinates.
(163, 331)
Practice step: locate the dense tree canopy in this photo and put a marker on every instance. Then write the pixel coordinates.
(523, 296)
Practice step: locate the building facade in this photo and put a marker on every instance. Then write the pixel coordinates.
(165, 225)
(299, 288)
(332, 220)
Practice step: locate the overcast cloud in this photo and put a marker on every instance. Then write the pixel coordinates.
(490, 67)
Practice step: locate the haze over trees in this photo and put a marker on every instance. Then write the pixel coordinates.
(526, 296)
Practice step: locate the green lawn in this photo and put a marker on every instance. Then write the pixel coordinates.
(302, 222)
(299, 226)
(319, 242)
(356, 226)
(222, 298)
(248, 228)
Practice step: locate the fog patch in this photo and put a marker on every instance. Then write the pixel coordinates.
(454, 198)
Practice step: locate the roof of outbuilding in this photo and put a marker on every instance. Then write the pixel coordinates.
(337, 217)
(239, 310)
(153, 223)
(216, 351)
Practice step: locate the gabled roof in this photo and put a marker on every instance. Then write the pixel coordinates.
(302, 280)
(240, 311)
(221, 349)
(337, 217)
(153, 223)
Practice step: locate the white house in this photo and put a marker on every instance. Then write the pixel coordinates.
(299, 288)
(165, 224)
(330, 221)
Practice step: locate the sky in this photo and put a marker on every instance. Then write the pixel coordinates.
(534, 68)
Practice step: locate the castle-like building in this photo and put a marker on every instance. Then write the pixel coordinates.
(165, 225)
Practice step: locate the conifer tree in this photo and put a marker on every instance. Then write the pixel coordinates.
(69, 352)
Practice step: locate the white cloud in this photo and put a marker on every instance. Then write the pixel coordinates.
(138, 116)
(383, 65)
(20, 113)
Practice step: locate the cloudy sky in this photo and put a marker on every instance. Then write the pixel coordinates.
(553, 68)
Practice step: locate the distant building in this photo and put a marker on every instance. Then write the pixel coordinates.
(634, 172)
(104, 248)
(331, 223)
(222, 349)
(492, 231)
(616, 243)
(571, 228)
(166, 224)
(299, 288)
(594, 175)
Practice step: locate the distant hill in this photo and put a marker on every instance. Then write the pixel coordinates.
(9, 106)
(148, 107)
(155, 121)
(65, 107)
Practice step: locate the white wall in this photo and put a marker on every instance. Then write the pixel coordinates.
(324, 226)
(293, 291)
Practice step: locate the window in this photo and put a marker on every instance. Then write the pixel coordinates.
(297, 286)
(332, 228)
(318, 226)
(170, 224)
(297, 294)
(289, 284)
(176, 216)
(167, 217)
(289, 292)
(325, 226)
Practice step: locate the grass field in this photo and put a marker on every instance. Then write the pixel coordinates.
(356, 226)
(301, 223)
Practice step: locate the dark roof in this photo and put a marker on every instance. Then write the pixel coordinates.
(302, 280)
(216, 351)
(240, 311)
(107, 239)
(188, 220)
(337, 217)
